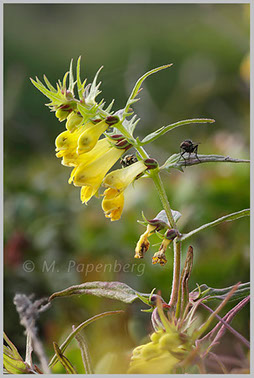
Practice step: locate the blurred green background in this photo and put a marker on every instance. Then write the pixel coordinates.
(44, 219)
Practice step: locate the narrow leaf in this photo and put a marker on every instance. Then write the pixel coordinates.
(78, 329)
(71, 79)
(49, 85)
(64, 360)
(226, 218)
(228, 326)
(14, 366)
(14, 350)
(65, 80)
(137, 86)
(84, 353)
(53, 96)
(113, 290)
(199, 332)
(163, 130)
(219, 294)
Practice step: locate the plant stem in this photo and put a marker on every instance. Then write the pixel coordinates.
(176, 274)
(154, 174)
(177, 246)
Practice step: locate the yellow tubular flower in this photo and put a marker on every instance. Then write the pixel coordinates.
(116, 182)
(113, 207)
(143, 243)
(161, 354)
(80, 161)
(73, 121)
(90, 136)
(91, 174)
(67, 140)
(87, 192)
(119, 179)
(160, 257)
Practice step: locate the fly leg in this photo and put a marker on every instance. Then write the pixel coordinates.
(195, 150)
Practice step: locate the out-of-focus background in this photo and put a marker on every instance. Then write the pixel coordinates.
(45, 222)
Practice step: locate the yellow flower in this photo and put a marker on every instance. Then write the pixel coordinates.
(155, 357)
(143, 243)
(119, 179)
(90, 136)
(67, 140)
(80, 161)
(113, 207)
(90, 175)
(116, 182)
(73, 121)
(160, 257)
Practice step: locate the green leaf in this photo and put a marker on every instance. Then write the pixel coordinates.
(12, 360)
(164, 129)
(78, 329)
(49, 85)
(113, 290)
(199, 331)
(132, 99)
(71, 79)
(171, 162)
(94, 89)
(226, 218)
(64, 360)
(220, 294)
(12, 347)
(57, 98)
(84, 353)
(14, 366)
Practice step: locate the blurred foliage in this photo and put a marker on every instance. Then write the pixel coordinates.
(44, 220)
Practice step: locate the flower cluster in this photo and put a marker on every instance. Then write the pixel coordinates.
(160, 222)
(168, 346)
(91, 159)
(91, 144)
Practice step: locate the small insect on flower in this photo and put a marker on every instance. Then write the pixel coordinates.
(190, 147)
(128, 160)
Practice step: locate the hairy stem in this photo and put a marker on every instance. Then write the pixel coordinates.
(176, 274)
(177, 246)
(155, 176)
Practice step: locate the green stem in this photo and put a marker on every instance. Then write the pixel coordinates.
(176, 274)
(177, 246)
(154, 174)
(135, 144)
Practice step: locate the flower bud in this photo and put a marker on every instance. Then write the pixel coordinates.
(73, 121)
(69, 95)
(112, 120)
(171, 234)
(170, 341)
(151, 163)
(123, 144)
(149, 350)
(63, 112)
(155, 337)
(117, 137)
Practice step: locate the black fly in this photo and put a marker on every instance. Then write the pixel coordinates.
(189, 147)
